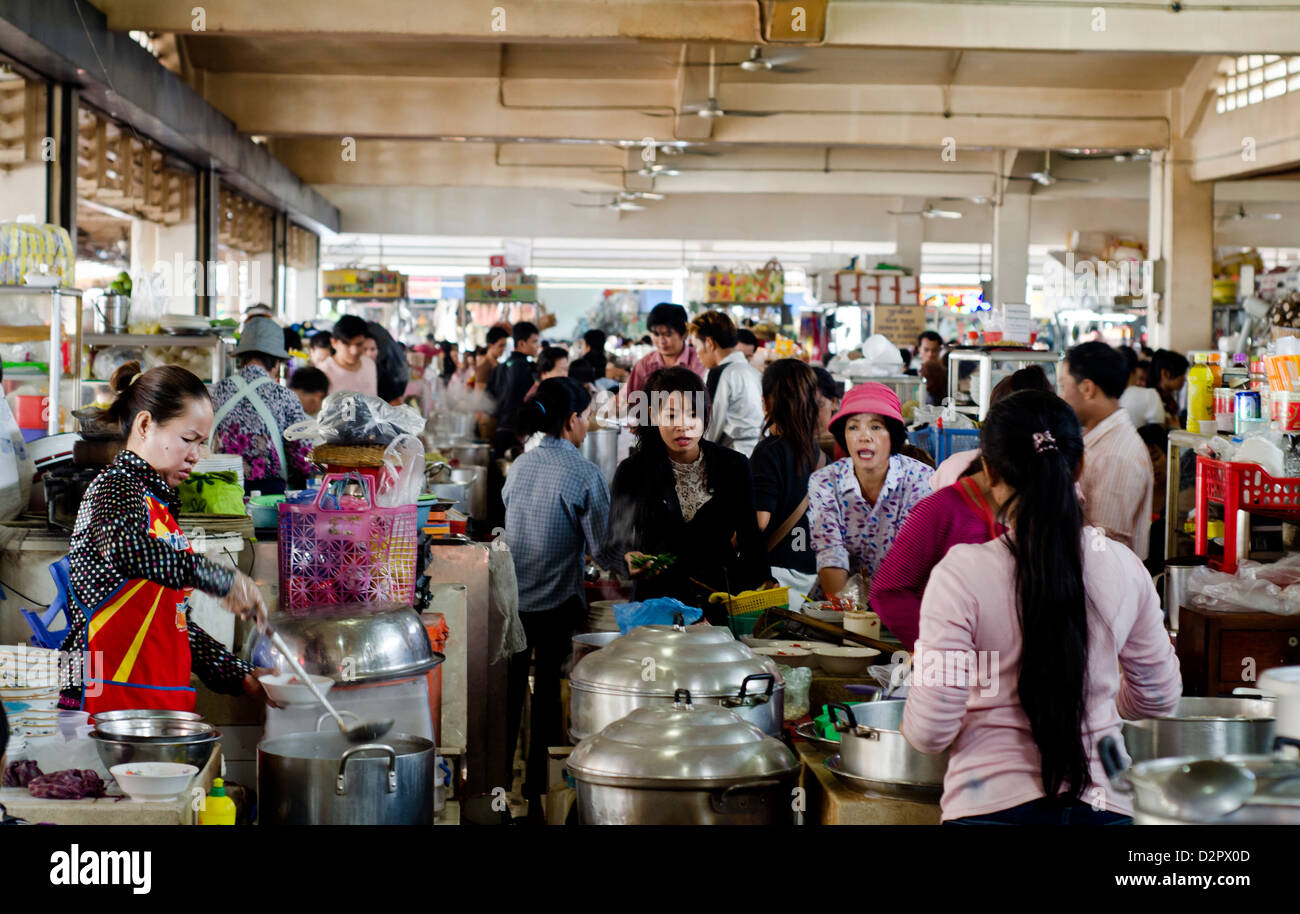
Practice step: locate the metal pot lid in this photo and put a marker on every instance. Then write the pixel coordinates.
(680, 745)
(350, 643)
(660, 659)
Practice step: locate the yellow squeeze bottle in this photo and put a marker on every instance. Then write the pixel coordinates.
(1200, 396)
(219, 808)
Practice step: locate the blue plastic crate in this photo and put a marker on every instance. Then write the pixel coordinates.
(951, 440)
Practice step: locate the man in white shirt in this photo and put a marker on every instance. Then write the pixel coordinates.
(1117, 476)
(348, 368)
(735, 387)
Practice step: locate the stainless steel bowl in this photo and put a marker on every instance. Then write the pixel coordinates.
(154, 729)
(143, 714)
(351, 643)
(116, 751)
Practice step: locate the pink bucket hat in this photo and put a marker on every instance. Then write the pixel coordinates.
(871, 397)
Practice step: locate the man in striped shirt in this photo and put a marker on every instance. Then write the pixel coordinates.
(1117, 476)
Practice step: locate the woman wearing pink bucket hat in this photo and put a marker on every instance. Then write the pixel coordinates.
(857, 505)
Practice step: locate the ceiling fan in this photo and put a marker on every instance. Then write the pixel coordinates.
(630, 195)
(669, 147)
(930, 212)
(657, 170)
(1240, 213)
(757, 63)
(711, 110)
(1045, 178)
(623, 202)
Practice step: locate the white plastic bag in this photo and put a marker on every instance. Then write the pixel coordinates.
(882, 356)
(403, 478)
(16, 467)
(348, 417)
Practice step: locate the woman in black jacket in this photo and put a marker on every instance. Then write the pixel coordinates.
(682, 495)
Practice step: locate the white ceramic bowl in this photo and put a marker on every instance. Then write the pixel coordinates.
(286, 689)
(815, 611)
(153, 780)
(845, 661)
(788, 656)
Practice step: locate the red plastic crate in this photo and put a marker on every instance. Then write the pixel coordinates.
(1239, 486)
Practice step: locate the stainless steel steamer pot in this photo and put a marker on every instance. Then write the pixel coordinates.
(684, 764)
(873, 748)
(322, 779)
(1205, 727)
(651, 663)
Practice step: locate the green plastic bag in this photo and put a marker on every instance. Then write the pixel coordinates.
(212, 493)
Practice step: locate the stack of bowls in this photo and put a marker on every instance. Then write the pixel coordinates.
(139, 736)
(600, 617)
(29, 688)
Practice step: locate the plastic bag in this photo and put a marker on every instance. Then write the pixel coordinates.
(930, 415)
(881, 356)
(504, 592)
(659, 611)
(1251, 589)
(798, 683)
(348, 417)
(403, 478)
(16, 467)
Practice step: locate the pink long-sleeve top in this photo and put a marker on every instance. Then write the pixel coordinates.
(970, 608)
(938, 522)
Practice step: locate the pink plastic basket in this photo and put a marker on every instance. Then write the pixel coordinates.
(343, 549)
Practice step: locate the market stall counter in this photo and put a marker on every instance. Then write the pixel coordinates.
(830, 802)
(115, 809)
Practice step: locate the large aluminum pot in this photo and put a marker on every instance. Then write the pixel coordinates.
(651, 663)
(322, 779)
(874, 750)
(1276, 800)
(454, 426)
(601, 448)
(467, 454)
(350, 643)
(1203, 726)
(474, 478)
(683, 764)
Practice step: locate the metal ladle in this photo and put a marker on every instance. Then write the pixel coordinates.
(363, 732)
(1209, 789)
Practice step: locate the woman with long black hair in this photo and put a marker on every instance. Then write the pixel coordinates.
(783, 459)
(1034, 645)
(557, 507)
(681, 495)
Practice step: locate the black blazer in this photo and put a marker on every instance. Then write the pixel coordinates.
(645, 516)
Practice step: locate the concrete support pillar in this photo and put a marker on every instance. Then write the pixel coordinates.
(1010, 248)
(909, 233)
(1181, 245)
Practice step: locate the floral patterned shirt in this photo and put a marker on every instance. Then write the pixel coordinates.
(242, 431)
(849, 533)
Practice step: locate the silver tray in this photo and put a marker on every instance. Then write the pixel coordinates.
(918, 793)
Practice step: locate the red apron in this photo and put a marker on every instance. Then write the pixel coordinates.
(138, 638)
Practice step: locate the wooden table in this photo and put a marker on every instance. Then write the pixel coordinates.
(829, 802)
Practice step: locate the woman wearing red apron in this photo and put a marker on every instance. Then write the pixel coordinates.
(132, 569)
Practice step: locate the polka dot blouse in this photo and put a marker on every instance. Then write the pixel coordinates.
(111, 544)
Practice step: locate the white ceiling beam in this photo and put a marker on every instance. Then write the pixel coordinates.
(479, 20)
(1116, 25)
(1253, 140)
(369, 106)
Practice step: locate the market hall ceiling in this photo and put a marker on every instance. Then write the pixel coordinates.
(534, 94)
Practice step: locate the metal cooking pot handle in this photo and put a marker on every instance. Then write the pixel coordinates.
(841, 726)
(1113, 763)
(719, 802)
(744, 690)
(340, 786)
(1280, 741)
(326, 716)
(682, 699)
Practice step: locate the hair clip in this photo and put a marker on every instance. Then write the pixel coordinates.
(540, 406)
(1043, 442)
